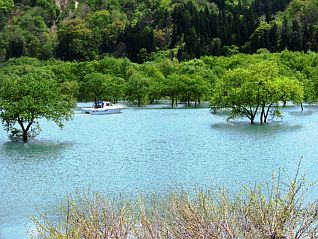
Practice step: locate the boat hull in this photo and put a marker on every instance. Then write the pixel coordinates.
(102, 111)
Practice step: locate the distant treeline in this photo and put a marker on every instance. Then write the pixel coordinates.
(144, 30)
(191, 81)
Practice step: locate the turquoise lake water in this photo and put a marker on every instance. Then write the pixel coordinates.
(145, 151)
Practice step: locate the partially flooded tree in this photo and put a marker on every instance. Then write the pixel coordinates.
(256, 90)
(137, 88)
(233, 92)
(94, 86)
(26, 99)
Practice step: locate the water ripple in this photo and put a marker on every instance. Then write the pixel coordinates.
(148, 151)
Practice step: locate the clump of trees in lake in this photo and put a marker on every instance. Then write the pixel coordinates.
(89, 29)
(273, 212)
(247, 85)
(254, 90)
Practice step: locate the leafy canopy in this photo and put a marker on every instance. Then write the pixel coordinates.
(255, 89)
(24, 99)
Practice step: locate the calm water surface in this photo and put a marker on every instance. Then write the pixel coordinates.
(147, 150)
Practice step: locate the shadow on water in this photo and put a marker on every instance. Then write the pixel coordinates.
(247, 128)
(33, 150)
(301, 113)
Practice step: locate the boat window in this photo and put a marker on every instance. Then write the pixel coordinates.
(99, 105)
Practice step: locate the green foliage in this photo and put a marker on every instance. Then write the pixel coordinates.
(281, 78)
(28, 36)
(114, 66)
(26, 98)
(6, 7)
(93, 86)
(76, 41)
(115, 88)
(246, 91)
(137, 86)
(145, 30)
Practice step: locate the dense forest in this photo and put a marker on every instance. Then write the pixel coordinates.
(145, 30)
(245, 57)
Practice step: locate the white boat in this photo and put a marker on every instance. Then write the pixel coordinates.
(102, 108)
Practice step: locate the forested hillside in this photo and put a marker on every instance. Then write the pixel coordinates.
(144, 30)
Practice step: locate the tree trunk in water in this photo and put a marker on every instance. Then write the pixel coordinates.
(262, 114)
(25, 130)
(252, 118)
(267, 112)
(265, 118)
(252, 114)
(301, 105)
(172, 102)
(25, 136)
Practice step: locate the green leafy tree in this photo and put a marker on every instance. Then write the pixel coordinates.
(12, 42)
(76, 41)
(70, 87)
(293, 91)
(26, 99)
(64, 71)
(114, 88)
(256, 89)
(93, 86)
(27, 35)
(5, 7)
(172, 88)
(155, 90)
(186, 88)
(156, 81)
(108, 26)
(137, 88)
(37, 41)
(113, 66)
(200, 89)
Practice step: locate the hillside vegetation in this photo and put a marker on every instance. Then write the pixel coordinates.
(145, 30)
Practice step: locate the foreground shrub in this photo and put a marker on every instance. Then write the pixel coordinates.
(274, 211)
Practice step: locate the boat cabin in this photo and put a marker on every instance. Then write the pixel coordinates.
(102, 104)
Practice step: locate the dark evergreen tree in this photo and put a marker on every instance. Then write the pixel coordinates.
(274, 38)
(295, 43)
(136, 38)
(16, 48)
(314, 43)
(308, 34)
(285, 35)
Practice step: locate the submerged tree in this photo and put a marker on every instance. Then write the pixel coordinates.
(26, 99)
(137, 88)
(94, 86)
(247, 92)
